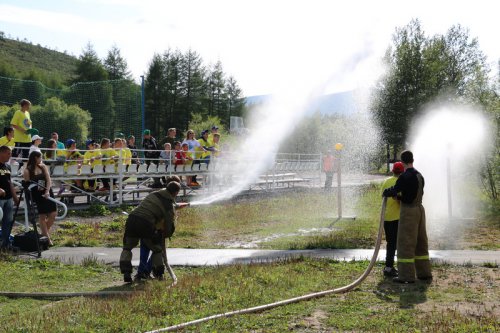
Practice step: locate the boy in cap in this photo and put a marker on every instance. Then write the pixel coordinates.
(391, 220)
(91, 157)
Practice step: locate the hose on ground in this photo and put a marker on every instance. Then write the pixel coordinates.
(295, 299)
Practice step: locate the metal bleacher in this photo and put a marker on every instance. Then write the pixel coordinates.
(134, 181)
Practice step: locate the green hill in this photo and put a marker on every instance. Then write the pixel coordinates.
(27, 61)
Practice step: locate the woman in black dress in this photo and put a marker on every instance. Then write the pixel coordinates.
(37, 172)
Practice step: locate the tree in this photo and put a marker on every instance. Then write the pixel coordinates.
(153, 94)
(401, 92)
(234, 99)
(420, 69)
(192, 76)
(93, 93)
(90, 67)
(116, 66)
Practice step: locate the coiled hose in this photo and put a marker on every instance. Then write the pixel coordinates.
(295, 299)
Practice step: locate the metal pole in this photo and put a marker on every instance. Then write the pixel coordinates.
(448, 183)
(143, 113)
(339, 184)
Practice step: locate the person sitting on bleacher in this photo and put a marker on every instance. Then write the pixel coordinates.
(133, 149)
(8, 137)
(109, 157)
(193, 147)
(91, 157)
(73, 157)
(188, 161)
(166, 155)
(206, 148)
(36, 141)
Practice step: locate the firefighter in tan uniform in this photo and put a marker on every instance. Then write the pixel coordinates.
(412, 244)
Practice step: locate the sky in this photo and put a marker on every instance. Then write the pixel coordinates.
(266, 45)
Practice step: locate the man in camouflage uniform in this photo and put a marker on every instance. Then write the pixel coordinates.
(152, 221)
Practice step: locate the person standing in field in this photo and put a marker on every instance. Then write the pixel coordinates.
(328, 169)
(391, 220)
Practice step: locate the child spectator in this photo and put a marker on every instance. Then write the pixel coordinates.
(133, 148)
(166, 155)
(8, 138)
(91, 157)
(108, 161)
(180, 155)
(36, 141)
(193, 147)
(188, 160)
(73, 157)
(391, 221)
(151, 154)
(50, 153)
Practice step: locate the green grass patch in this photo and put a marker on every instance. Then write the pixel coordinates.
(303, 219)
(377, 305)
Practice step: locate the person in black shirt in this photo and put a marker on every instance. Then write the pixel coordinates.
(8, 196)
(412, 244)
(151, 154)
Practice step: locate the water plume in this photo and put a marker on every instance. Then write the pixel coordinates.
(448, 143)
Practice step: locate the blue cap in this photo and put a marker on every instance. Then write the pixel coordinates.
(89, 142)
(69, 142)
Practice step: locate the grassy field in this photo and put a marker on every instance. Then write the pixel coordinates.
(299, 220)
(461, 299)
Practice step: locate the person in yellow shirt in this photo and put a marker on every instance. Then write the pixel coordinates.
(391, 221)
(73, 157)
(91, 157)
(109, 160)
(21, 122)
(8, 138)
(215, 130)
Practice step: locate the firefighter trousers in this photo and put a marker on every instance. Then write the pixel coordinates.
(412, 245)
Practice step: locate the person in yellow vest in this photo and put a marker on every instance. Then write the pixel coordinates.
(73, 157)
(21, 122)
(215, 130)
(328, 168)
(206, 147)
(216, 145)
(91, 157)
(412, 244)
(391, 220)
(8, 138)
(109, 158)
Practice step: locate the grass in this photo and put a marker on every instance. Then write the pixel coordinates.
(461, 299)
(304, 219)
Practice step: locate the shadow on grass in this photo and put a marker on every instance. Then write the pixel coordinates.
(407, 295)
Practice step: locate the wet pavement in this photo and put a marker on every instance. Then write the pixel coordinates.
(214, 257)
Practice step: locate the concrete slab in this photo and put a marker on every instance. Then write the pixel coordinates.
(214, 257)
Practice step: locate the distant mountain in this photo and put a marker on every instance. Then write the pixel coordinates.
(343, 103)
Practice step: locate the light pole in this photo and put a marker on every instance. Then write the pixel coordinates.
(338, 148)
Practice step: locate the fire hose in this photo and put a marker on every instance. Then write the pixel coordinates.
(295, 299)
